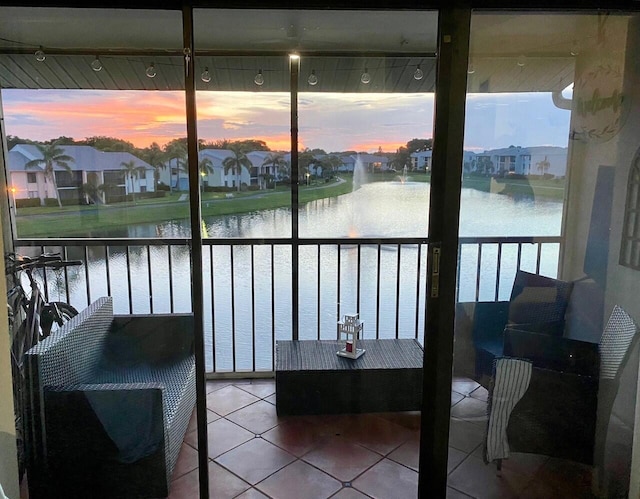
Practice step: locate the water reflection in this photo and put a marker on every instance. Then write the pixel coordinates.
(159, 277)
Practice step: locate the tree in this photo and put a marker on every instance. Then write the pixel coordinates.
(91, 189)
(176, 150)
(305, 160)
(132, 171)
(543, 166)
(401, 159)
(249, 145)
(110, 144)
(205, 166)
(236, 162)
(14, 140)
(276, 161)
(155, 156)
(333, 162)
(419, 145)
(52, 156)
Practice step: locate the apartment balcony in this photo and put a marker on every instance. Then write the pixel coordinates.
(253, 453)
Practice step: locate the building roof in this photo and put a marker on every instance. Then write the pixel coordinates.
(85, 158)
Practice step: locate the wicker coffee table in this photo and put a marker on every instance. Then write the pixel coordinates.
(312, 379)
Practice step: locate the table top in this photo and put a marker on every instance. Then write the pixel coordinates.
(315, 355)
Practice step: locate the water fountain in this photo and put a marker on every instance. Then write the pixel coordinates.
(359, 179)
(404, 178)
(359, 174)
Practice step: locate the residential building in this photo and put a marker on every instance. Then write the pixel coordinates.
(496, 54)
(535, 160)
(101, 169)
(372, 163)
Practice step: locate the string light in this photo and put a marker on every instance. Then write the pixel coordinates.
(418, 74)
(96, 65)
(205, 76)
(313, 79)
(151, 71)
(40, 55)
(259, 79)
(366, 77)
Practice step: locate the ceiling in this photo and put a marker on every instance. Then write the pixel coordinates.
(509, 53)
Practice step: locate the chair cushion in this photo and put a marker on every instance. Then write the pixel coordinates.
(537, 299)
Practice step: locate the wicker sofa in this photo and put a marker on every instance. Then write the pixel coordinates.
(111, 398)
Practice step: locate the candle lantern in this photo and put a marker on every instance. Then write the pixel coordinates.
(349, 329)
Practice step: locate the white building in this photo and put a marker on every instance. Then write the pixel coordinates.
(89, 166)
(219, 176)
(372, 163)
(421, 161)
(536, 160)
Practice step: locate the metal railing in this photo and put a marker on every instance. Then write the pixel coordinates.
(247, 295)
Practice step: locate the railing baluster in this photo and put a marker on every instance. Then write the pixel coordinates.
(170, 264)
(253, 307)
(497, 293)
(478, 271)
(233, 309)
(149, 273)
(66, 276)
(127, 260)
(338, 280)
(45, 282)
(213, 311)
(378, 263)
(273, 307)
(107, 269)
(538, 258)
(418, 265)
(359, 262)
(398, 263)
(519, 261)
(86, 273)
(318, 289)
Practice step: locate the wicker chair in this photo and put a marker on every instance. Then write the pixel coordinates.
(554, 396)
(537, 304)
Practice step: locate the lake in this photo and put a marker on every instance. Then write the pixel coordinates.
(381, 209)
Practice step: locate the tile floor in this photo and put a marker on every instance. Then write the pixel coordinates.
(255, 454)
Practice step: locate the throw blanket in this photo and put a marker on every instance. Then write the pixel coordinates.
(511, 381)
(127, 418)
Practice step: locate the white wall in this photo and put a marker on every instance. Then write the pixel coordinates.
(8, 459)
(586, 155)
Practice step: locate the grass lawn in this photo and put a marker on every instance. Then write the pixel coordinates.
(552, 189)
(81, 220)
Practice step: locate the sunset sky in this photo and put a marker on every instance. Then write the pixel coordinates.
(331, 121)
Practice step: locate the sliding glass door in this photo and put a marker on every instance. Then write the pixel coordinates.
(547, 274)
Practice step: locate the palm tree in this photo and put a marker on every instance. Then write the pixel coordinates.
(155, 157)
(132, 171)
(275, 160)
(176, 150)
(305, 160)
(52, 155)
(206, 168)
(236, 162)
(90, 189)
